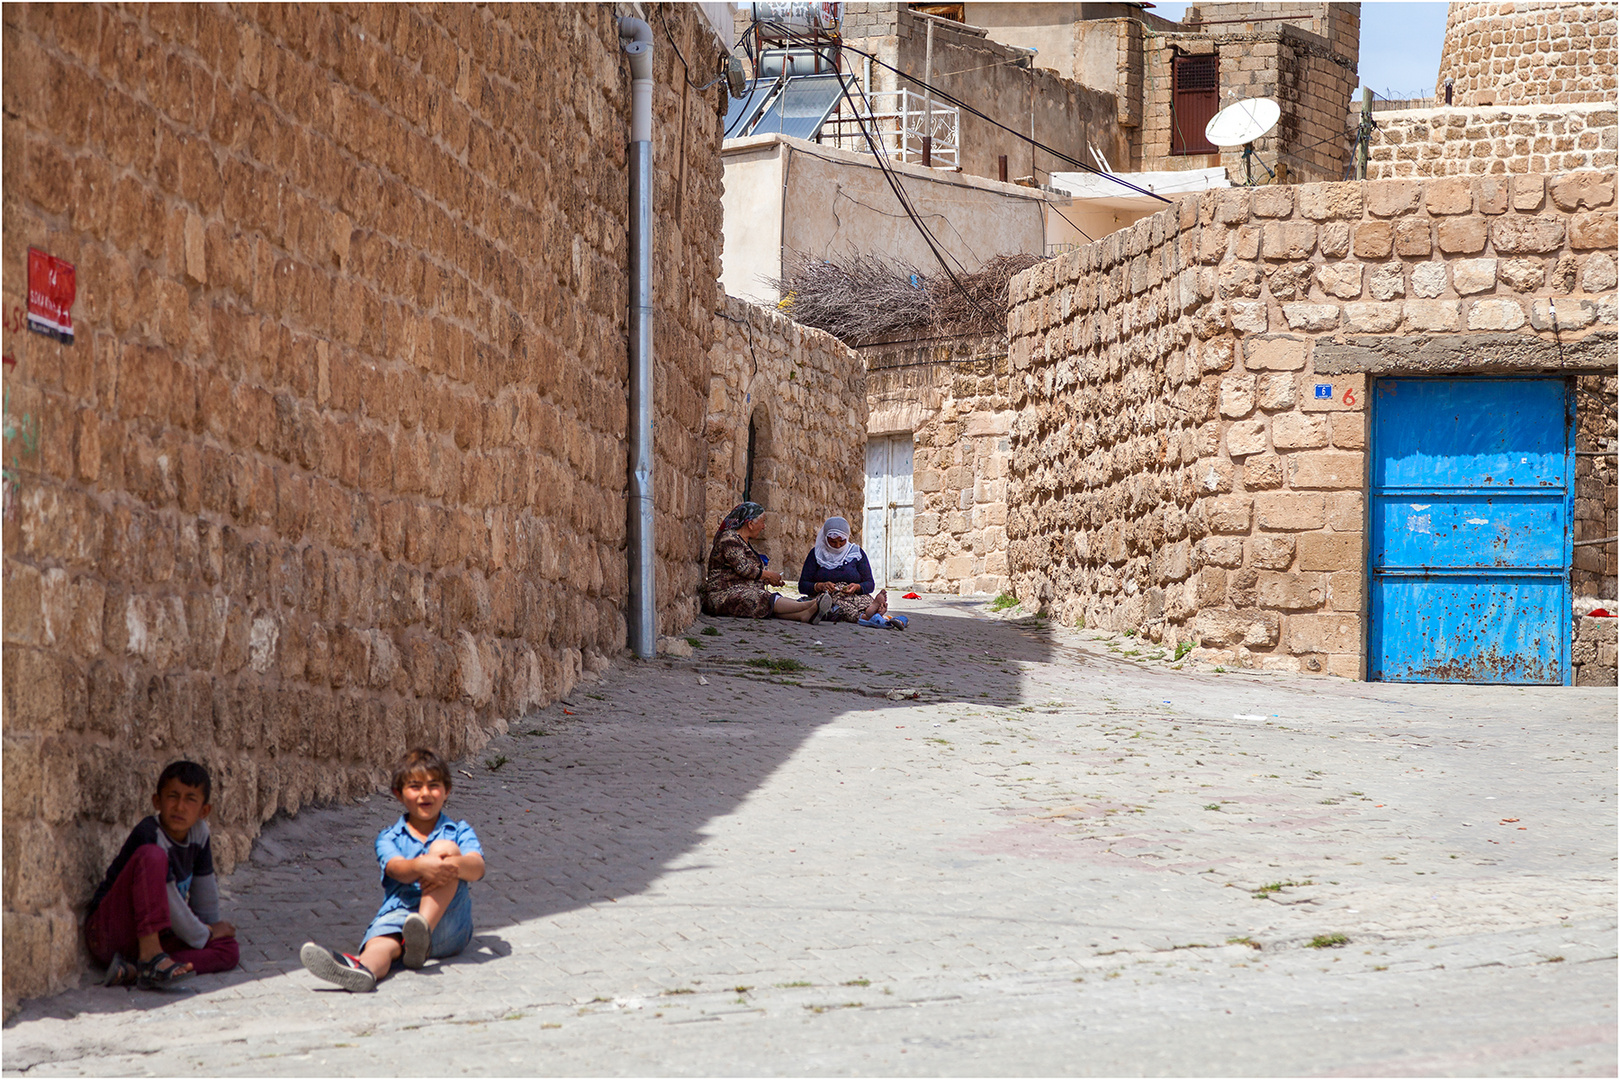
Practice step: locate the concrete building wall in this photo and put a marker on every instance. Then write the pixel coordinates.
(806, 393)
(785, 194)
(336, 462)
(1173, 471)
(954, 397)
(1543, 53)
(1493, 140)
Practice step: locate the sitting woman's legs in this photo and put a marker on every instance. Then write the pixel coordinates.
(797, 610)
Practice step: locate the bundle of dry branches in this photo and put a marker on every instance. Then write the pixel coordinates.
(861, 298)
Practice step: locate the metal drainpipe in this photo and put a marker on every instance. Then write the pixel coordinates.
(637, 37)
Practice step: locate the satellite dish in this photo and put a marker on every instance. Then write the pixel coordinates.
(1242, 122)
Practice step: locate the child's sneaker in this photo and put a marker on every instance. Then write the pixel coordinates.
(335, 967)
(415, 936)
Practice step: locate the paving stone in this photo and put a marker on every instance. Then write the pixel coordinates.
(1056, 861)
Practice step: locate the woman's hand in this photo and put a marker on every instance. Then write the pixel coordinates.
(852, 588)
(770, 577)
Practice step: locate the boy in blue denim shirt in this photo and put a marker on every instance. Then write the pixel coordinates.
(427, 859)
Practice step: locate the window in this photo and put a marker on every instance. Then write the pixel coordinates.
(1196, 100)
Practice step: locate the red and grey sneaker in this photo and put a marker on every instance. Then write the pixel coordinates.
(335, 967)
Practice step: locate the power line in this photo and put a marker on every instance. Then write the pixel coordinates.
(965, 107)
(899, 193)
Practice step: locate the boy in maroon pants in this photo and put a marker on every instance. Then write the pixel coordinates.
(159, 902)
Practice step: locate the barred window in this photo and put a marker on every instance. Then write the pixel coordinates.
(1196, 100)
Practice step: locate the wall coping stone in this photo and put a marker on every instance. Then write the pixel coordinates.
(1470, 353)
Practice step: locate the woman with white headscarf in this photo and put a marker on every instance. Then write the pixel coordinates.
(837, 567)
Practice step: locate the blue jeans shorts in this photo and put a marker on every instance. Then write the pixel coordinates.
(449, 937)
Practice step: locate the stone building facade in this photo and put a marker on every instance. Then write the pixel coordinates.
(335, 463)
(1533, 91)
(1304, 55)
(786, 425)
(999, 80)
(1174, 471)
(1436, 141)
(1542, 53)
(953, 398)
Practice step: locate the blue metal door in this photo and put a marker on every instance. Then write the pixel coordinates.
(1469, 530)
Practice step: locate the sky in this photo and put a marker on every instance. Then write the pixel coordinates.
(1400, 45)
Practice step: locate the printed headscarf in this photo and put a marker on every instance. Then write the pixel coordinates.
(740, 515)
(829, 557)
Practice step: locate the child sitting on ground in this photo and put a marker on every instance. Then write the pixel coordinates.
(427, 860)
(159, 902)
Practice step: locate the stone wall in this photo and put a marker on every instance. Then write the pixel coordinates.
(953, 395)
(1173, 470)
(1529, 53)
(335, 463)
(1594, 649)
(1498, 139)
(1059, 113)
(805, 392)
(1596, 516)
(1310, 74)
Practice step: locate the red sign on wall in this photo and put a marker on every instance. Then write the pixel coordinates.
(50, 296)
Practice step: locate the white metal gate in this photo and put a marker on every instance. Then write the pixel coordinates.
(886, 532)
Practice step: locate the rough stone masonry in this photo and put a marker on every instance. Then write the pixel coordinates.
(335, 462)
(1173, 471)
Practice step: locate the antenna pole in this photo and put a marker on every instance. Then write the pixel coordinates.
(1364, 135)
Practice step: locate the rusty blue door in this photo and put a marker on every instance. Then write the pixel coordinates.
(1469, 532)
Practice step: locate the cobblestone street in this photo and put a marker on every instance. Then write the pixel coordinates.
(1054, 858)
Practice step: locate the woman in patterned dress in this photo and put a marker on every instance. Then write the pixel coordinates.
(736, 580)
(838, 568)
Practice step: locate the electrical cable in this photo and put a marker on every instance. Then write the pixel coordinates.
(686, 71)
(900, 194)
(1072, 225)
(965, 107)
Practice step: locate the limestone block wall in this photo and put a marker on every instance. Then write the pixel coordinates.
(1529, 53)
(1174, 471)
(1058, 112)
(335, 463)
(1493, 140)
(805, 392)
(1596, 516)
(1310, 76)
(953, 395)
(1595, 645)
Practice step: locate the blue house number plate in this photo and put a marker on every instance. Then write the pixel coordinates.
(1324, 390)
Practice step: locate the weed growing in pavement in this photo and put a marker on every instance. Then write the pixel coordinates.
(672, 993)
(868, 982)
(696, 643)
(829, 1008)
(711, 631)
(1327, 941)
(795, 983)
(1003, 602)
(777, 665)
(1183, 649)
(742, 989)
(496, 762)
(1249, 941)
(1212, 806)
(1279, 886)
